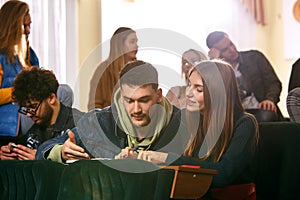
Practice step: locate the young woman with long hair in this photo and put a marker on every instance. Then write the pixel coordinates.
(221, 135)
(13, 59)
(123, 49)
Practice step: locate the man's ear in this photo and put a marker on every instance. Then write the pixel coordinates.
(52, 98)
(159, 95)
(121, 96)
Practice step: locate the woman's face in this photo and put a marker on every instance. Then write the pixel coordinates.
(189, 59)
(194, 93)
(131, 46)
(26, 24)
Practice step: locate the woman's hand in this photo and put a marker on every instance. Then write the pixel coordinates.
(153, 156)
(128, 152)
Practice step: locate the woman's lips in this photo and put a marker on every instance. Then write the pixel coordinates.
(190, 102)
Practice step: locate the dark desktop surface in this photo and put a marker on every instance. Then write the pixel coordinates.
(84, 179)
(276, 168)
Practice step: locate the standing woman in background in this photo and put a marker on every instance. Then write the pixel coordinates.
(123, 49)
(13, 59)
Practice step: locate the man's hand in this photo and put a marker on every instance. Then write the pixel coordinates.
(6, 153)
(267, 105)
(24, 153)
(214, 53)
(128, 152)
(71, 151)
(153, 156)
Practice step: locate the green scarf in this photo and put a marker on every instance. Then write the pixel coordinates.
(160, 115)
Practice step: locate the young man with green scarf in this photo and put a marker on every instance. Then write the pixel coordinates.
(140, 118)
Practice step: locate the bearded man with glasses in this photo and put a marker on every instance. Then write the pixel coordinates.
(35, 92)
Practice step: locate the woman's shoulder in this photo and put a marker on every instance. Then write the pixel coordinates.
(246, 128)
(246, 118)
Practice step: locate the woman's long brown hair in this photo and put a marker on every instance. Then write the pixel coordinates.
(233, 107)
(107, 75)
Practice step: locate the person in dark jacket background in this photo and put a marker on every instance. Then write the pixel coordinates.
(259, 85)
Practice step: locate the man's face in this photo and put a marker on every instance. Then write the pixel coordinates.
(40, 112)
(27, 23)
(138, 101)
(227, 49)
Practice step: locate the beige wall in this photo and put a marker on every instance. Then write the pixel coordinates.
(270, 40)
(89, 33)
(89, 27)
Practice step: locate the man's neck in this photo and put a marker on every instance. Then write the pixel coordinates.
(141, 132)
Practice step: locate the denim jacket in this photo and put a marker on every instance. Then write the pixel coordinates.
(99, 132)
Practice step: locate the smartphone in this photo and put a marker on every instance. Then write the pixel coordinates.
(12, 146)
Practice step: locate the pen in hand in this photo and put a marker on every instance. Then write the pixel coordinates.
(135, 149)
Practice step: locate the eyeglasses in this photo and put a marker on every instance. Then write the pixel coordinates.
(31, 109)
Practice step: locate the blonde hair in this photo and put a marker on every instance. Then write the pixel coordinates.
(201, 56)
(12, 15)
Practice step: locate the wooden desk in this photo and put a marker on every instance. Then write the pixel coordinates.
(190, 183)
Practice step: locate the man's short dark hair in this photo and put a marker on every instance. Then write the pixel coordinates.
(34, 84)
(214, 37)
(139, 73)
